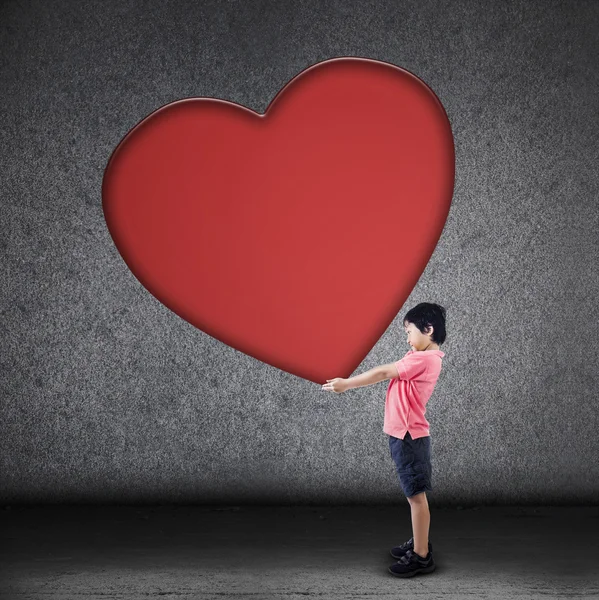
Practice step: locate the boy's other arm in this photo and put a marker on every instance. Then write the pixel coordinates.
(373, 376)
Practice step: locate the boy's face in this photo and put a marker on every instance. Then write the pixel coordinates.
(417, 340)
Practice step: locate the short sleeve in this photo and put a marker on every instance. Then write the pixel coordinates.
(411, 367)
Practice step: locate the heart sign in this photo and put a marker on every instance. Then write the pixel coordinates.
(294, 236)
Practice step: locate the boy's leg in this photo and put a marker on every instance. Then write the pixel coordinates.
(421, 519)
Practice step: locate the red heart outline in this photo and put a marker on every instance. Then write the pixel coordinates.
(295, 236)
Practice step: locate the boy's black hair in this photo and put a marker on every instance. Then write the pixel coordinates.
(425, 314)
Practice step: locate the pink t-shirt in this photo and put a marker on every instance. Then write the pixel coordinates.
(408, 394)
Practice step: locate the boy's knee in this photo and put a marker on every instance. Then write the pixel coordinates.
(416, 498)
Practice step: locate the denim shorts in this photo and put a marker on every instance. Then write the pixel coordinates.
(413, 463)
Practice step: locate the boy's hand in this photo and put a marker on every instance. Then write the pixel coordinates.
(337, 385)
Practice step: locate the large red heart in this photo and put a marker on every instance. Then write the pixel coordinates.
(294, 236)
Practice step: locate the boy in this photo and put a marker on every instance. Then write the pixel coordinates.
(413, 380)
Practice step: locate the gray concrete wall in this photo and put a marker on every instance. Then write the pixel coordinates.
(109, 396)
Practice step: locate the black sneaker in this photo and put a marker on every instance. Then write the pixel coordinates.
(399, 551)
(411, 564)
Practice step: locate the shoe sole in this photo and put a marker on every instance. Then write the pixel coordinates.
(412, 573)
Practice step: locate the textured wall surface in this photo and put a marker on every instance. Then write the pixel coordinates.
(109, 396)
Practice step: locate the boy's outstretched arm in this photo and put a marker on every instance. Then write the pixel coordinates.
(375, 375)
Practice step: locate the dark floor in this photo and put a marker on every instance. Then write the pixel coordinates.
(294, 552)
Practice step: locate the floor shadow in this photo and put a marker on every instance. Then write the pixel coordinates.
(286, 551)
